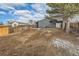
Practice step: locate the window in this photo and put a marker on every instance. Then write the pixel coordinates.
(51, 21)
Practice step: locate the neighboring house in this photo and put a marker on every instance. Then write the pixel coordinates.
(45, 23)
(16, 23)
(32, 23)
(17, 26)
(74, 23)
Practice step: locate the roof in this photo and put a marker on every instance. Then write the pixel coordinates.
(55, 19)
(10, 22)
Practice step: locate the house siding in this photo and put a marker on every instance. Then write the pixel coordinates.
(46, 23)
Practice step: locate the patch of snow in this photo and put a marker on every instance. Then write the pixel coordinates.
(64, 44)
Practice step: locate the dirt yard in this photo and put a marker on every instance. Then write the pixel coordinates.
(40, 42)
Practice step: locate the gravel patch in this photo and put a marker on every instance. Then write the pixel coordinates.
(66, 45)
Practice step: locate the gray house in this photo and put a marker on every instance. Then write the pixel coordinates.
(45, 23)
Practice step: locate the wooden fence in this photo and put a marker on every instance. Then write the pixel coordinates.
(4, 30)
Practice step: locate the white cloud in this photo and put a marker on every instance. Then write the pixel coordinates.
(2, 13)
(35, 17)
(23, 15)
(39, 7)
(38, 15)
(26, 15)
(16, 4)
(22, 19)
(40, 10)
(6, 7)
(22, 12)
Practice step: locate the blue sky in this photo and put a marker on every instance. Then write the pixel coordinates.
(22, 11)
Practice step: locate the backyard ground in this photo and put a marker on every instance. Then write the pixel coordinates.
(40, 42)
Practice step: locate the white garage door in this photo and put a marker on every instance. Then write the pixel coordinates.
(58, 25)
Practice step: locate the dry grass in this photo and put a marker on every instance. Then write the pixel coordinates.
(34, 42)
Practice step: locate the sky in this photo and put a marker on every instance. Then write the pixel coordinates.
(22, 12)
